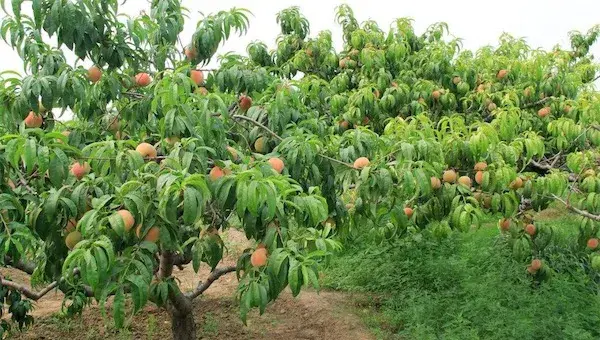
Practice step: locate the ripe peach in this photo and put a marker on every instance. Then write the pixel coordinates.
(530, 229)
(465, 180)
(142, 79)
(435, 183)
(259, 257)
(33, 120)
(245, 103)
(361, 162)
(408, 212)
(480, 166)
(94, 74)
(449, 176)
(216, 173)
(277, 164)
(479, 177)
(504, 224)
(436, 94)
(543, 112)
(536, 264)
(71, 225)
(153, 235)
(516, 184)
(190, 53)
(197, 77)
(344, 124)
(79, 170)
(146, 150)
(128, 219)
(501, 74)
(592, 243)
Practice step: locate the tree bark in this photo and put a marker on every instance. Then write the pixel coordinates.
(183, 325)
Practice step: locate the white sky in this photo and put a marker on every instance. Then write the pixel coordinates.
(543, 23)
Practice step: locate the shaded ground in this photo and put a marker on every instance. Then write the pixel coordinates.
(312, 315)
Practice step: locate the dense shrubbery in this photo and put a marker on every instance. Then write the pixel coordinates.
(469, 286)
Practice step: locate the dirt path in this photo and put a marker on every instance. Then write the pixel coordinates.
(312, 315)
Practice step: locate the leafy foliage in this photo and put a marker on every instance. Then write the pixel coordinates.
(304, 145)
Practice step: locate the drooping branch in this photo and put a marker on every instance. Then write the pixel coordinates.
(576, 210)
(279, 138)
(28, 292)
(214, 275)
(29, 267)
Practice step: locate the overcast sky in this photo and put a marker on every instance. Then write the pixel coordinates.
(542, 23)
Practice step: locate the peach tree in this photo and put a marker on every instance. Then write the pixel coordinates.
(148, 173)
(399, 134)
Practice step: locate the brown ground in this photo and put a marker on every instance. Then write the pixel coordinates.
(312, 315)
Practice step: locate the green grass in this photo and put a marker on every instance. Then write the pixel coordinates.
(468, 287)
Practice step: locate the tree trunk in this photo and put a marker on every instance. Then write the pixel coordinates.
(183, 325)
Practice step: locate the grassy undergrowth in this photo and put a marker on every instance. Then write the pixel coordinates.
(468, 287)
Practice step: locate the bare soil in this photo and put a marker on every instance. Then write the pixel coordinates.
(312, 315)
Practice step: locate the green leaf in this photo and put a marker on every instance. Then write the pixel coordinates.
(139, 292)
(118, 308)
(30, 155)
(92, 276)
(57, 169)
(117, 224)
(191, 205)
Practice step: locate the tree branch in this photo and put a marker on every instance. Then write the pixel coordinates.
(539, 102)
(576, 210)
(214, 275)
(549, 167)
(30, 294)
(26, 267)
(259, 124)
(29, 267)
